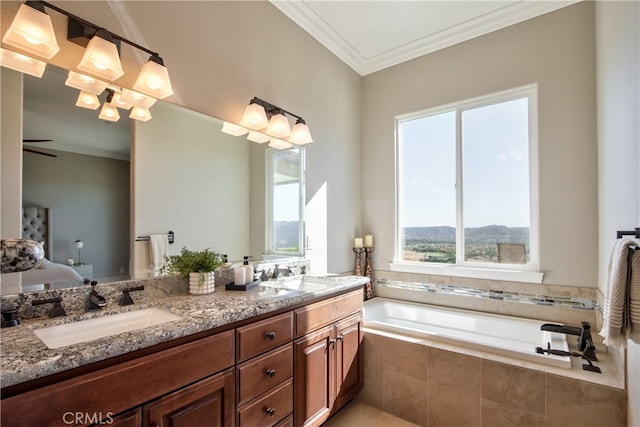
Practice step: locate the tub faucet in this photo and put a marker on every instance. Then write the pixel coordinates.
(585, 342)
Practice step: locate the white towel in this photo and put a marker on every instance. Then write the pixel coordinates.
(158, 250)
(621, 309)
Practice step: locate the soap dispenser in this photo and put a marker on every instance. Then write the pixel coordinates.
(248, 269)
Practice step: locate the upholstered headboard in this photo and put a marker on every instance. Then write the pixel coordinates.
(36, 225)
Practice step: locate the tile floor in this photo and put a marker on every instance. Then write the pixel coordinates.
(357, 414)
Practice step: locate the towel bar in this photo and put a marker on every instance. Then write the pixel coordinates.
(170, 235)
(635, 232)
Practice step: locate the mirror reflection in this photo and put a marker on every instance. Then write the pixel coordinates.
(113, 184)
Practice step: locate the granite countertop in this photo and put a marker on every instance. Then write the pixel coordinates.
(24, 357)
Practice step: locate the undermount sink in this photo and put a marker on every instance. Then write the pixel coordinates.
(100, 327)
(299, 284)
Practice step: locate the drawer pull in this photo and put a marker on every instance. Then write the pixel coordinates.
(333, 342)
(271, 372)
(270, 335)
(340, 337)
(270, 411)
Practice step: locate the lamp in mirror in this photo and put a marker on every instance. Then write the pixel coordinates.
(137, 99)
(140, 114)
(32, 31)
(235, 130)
(22, 63)
(109, 112)
(258, 137)
(79, 244)
(116, 101)
(86, 83)
(88, 100)
(279, 144)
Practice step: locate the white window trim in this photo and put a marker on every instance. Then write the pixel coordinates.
(528, 273)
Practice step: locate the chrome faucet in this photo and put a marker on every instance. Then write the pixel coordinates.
(95, 301)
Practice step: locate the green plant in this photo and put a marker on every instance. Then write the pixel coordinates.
(188, 261)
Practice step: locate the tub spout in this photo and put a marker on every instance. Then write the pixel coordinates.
(585, 342)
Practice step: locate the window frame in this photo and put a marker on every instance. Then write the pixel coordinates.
(518, 272)
(269, 250)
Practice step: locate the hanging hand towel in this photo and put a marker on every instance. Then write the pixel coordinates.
(158, 250)
(617, 315)
(634, 297)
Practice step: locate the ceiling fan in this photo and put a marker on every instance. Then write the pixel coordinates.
(31, 150)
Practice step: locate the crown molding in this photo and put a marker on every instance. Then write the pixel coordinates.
(510, 14)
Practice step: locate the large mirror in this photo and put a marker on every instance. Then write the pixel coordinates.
(112, 185)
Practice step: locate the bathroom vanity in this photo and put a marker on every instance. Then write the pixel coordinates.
(276, 356)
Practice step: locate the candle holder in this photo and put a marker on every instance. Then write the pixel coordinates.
(368, 271)
(358, 266)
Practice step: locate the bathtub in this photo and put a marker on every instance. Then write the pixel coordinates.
(503, 335)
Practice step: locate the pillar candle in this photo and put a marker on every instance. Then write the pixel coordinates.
(357, 243)
(368, 241)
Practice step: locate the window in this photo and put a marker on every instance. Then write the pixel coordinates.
(285, 218)
(466, 183)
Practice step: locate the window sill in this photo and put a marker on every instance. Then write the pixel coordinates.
(469, 272)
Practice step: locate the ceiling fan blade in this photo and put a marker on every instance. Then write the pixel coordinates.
(38, 152)
(37, 140)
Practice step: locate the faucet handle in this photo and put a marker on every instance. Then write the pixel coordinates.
(126, 297)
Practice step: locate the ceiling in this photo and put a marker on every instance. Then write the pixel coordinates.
(372, 35)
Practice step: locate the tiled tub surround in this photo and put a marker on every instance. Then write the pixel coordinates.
(437, 386)
(24, 357)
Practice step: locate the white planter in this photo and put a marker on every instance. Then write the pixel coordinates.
(202, 283)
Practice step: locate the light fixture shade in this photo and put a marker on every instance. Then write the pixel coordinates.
(137, 99)
(232, 129)
(87, 100)
(153, 79)
(116, 101)
(257, 137)
(109, 112)
(140, 114)
(22, 63)
(300, 134)
(279, 126)
(32, 31)
(279, 144)
(79, 244)
(101, 57)
(254, 117)
(86, 83)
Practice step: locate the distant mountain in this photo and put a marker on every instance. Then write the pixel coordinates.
(286, 233)
(486, 234)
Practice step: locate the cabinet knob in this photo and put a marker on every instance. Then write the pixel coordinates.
(270, 411)
(270, 335)
(271, 372)
(333, 342)
(340, 337)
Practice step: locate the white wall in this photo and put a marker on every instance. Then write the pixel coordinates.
(618, 65)
(189, 178)
(557, 52)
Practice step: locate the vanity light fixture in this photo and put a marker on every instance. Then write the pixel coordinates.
(101, 57)
(154, 78)
(141, 114)
(88, 100)
(116, 101)
(109, 112)
(267, 122)
(22, 63)
(136, 99)
(79, 244)
(32, 31)
(86, 83)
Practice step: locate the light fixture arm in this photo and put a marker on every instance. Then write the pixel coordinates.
(38, 4)
(271, 109)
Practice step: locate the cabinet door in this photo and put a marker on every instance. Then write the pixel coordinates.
(314, 377)
(349, 368)
(209, 402)
(131, 418)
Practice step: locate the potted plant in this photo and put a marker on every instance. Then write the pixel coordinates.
(197, 266)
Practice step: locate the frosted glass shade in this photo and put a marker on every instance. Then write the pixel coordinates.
(137, 99)
(85, 83)
(232, 129)
(279, 144)
(154, 80)
(279, 126)
(254, 117)
(32, 31)
(87, 100)
(140, 114)
(116, 101)
(300, 134)
(109, 113)
(257, 137)
(101, 59)
(22, 63)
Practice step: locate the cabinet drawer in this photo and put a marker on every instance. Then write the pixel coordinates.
(264, 335)
(287, 422)
(268, 409)
(260, 374)
(324, 312)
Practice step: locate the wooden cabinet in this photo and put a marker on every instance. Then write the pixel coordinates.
(327, 360)
(208, 402)
(131, 418)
